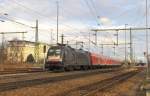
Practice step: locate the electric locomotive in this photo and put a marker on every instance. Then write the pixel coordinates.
(66, 58)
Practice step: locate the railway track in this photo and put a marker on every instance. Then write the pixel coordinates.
(20, 70)
(91, 89)
(27, 83)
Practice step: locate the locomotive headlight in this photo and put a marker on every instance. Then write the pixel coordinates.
(54, 58)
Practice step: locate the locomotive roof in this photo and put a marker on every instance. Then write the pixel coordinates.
(64, 45)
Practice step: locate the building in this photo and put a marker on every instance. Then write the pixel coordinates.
(26, 51)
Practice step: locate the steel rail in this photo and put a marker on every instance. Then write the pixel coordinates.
(32, 82)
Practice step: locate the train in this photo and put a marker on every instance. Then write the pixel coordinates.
(64, 57)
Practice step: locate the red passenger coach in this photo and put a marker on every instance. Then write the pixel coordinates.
(103, 61)
(95, 59)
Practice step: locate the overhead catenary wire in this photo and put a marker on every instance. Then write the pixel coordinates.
(38, 13)
(20, 23)
(28, 8)
(93, 13)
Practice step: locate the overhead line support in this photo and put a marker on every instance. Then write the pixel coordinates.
(119, 29)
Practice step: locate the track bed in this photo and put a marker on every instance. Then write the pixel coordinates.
(60, 85)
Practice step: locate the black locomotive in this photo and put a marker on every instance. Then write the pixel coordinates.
(65, 57)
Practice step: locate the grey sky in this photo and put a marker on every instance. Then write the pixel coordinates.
(76, 19)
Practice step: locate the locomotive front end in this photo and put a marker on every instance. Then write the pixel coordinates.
(54, 58)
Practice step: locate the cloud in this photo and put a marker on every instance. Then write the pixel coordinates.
(74, 17)
(105, 21)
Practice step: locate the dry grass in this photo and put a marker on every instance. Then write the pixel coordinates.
(51, 89)
(55, 88)
(11, 67)
(129, 88)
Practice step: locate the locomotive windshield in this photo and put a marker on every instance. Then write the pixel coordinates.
(54, 51)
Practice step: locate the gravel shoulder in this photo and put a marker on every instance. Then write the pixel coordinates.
(129, 88)
(53, 89)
